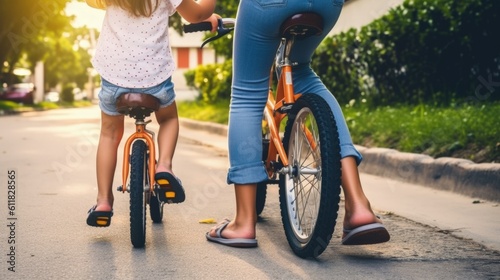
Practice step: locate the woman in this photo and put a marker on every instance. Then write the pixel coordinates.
(256, 39)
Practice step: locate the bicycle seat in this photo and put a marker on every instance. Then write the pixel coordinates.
(137, 105)
(302, 26)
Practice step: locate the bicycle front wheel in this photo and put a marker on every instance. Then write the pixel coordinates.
(138, 177)
(310, 189)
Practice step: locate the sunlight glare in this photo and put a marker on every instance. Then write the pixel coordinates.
(85, 15)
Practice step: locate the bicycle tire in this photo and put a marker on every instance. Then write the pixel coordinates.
(261, 196)
(155, 209)
(138, 178)
(260, 201)
(310, 192)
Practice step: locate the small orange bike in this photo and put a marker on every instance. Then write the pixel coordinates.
(304, 157)
(139, 163)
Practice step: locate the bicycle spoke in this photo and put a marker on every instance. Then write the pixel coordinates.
(309, 209)
(306, 188)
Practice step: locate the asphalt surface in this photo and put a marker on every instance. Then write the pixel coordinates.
(394, 189)
(454, 195)
(434, 234)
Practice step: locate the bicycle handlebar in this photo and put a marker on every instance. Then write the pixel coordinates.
(224, 26)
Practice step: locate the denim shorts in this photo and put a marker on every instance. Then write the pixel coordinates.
(109, 95)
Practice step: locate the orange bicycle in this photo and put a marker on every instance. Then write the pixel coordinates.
(139, 163)
(304, 157)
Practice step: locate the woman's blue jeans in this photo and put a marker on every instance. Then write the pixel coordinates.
(256, 39)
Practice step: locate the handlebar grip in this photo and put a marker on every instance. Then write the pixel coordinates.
(195, 27)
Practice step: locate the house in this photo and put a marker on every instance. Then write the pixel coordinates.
(188, 54)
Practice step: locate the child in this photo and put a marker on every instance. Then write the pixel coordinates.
(133, 55)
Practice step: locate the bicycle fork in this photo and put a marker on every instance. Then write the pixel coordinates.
(141, 133)
(274, 111)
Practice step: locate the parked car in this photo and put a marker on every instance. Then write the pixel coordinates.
(20, 93)
(79, 94)
(52, 96)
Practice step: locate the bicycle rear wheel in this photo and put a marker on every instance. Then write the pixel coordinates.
(138, 178)
(310, 191)
(260, 201)
(155, 209)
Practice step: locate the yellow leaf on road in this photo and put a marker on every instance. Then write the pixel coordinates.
(207, 221)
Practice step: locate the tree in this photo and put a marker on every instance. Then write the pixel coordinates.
(24, 25)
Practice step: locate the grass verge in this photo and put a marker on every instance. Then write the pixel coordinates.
(44, 105)
(469, 132)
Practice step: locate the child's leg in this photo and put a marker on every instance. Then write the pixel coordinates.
(109, 140)
(167, 136)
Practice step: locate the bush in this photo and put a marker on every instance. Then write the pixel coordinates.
(67, 94)
(430, 51)
(213, 81)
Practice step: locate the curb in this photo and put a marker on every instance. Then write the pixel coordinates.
(477, 180)
(214, 128)
(9, 112)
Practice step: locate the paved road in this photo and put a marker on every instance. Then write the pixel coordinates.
(52, 154)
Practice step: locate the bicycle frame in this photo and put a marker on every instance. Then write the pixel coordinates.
(276, 108)
(277, 105)
(140, 134)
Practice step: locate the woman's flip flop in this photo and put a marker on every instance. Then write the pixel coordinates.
(232, 242)
(367, 234)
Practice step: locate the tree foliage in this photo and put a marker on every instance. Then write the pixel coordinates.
(39, 30)
(24, 27)
(224, 45)
(424, 51)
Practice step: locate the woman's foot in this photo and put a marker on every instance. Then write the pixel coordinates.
(359, 216)
(362, 227)
(227, 233)
(231, 230)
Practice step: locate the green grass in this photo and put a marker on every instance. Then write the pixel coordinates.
(470, 132)
(198, 110)
(9, 105)
(44, 105)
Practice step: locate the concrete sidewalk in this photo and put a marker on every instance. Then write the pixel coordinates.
(455, 210)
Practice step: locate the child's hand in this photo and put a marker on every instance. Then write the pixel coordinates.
(213, 19)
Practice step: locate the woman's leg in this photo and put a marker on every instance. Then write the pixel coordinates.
(358, 210)
(254, 47)
(243, 224)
